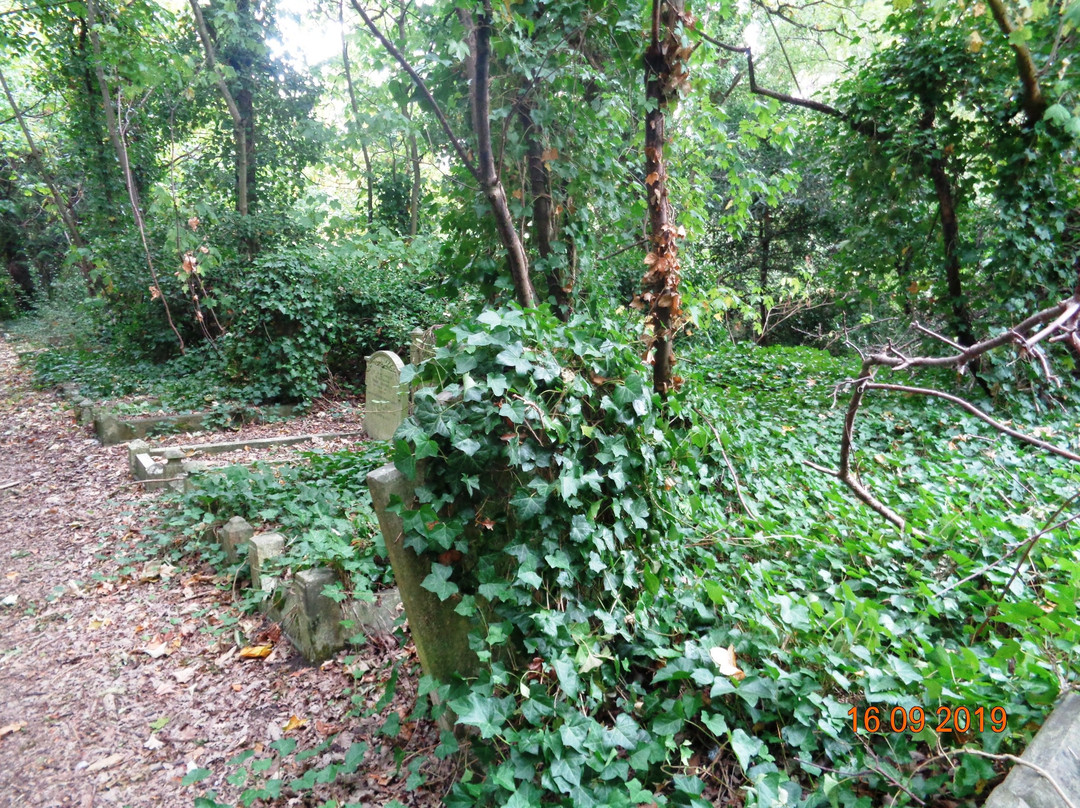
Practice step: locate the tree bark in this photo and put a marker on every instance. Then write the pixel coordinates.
(764, 241)
(1032, 99)
(71, 227)
(665, 71)
(540, 188)
(483, 168)
(95, 124)
(414, 152)
(478, 34)
(960, 315)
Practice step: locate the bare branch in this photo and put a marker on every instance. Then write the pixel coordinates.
(421, 85)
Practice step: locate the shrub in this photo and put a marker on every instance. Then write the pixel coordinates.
(301, 314)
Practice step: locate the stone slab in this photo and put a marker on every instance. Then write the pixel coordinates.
(386, 402)
(312, 620)
(224, 447)
(1054, 749)
(379, 617)
(441, 634)
(112, 429)
(233, 536)
(261, 549)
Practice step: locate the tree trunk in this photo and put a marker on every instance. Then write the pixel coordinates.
(665, 71)
(959, 315)
(479, 37)
(764, 241)
(71, 227)
(101, 157)
(540, 187)
(239, 123)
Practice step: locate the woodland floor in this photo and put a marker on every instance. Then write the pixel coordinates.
(115, 681)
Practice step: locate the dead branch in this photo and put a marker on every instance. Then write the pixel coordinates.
(1052, 324)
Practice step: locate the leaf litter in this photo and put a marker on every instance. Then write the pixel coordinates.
(118, 681)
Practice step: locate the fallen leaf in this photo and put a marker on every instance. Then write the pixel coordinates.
(294, 723)
(725, 662)
(18, 726)
(237, 687)
(184, 675)
(256, 651)
(104, 763)
(156, 650)
(153, 744)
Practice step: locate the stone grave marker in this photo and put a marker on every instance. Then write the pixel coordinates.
(387, 398)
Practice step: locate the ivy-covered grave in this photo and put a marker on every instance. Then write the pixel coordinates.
(662, 604)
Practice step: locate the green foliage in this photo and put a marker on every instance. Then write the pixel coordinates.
(605, 564)
(322, 506)
(301, 314)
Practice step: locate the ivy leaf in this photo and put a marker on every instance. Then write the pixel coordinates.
(485, 713)
(745, 747)
(566, 671)
(439, 581)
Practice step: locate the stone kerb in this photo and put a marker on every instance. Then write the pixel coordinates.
(1054, 750)
(439, 632)
(387, 399)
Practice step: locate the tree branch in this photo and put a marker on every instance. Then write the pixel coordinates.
(1033, 102)
(1060, 321)
(421, 85)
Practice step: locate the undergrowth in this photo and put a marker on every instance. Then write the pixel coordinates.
(637, 628)
(321, 505)
(670, 607)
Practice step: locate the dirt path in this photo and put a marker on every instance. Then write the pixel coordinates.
(115, 682)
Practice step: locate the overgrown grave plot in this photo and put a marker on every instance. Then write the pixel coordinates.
(127, 400)
(681, 611)
(317, 506)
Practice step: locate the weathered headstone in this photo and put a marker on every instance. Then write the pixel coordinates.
(233, 534)
(423, 344)
(1054, 751)
(311, 619)
(387, 399)
(262, 548)
(440, 633)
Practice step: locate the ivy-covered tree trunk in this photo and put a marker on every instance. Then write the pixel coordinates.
(959, 313)
(764, 243)
(665, 72)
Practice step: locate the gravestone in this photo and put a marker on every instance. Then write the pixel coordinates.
(1053, 750)
(387, 403)
(423, 344)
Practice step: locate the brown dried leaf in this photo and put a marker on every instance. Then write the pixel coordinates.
(18, 726)
(550, 154)
(156, 650)
(256, 651)
(104, 763)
